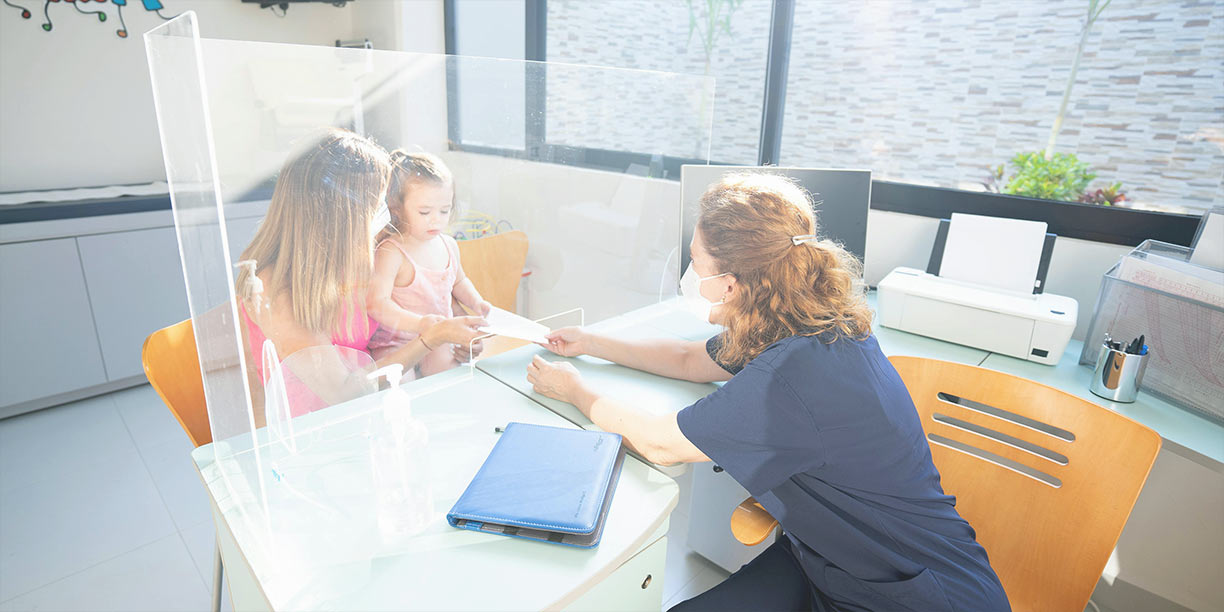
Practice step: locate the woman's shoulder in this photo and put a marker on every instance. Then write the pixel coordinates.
(806, 348)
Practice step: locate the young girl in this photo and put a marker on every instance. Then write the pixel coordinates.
(417, 272)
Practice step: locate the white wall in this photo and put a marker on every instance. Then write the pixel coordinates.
(76, 107)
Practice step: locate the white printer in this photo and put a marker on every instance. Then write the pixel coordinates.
(1035, 326)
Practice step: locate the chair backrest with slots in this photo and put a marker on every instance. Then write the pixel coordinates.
(1046, 479)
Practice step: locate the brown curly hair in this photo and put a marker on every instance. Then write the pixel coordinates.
(747, 223)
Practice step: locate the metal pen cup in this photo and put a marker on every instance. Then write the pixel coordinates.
(1118, 374)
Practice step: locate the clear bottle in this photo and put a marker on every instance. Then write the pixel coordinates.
(399, 455)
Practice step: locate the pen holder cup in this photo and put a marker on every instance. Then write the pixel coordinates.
(1118, 375)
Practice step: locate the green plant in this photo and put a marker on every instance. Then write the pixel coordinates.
(710, 24)
(1108, 196)
(1060, 177)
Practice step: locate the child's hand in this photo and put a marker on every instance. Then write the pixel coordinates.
(484, 308)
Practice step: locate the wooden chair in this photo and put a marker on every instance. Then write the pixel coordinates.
(495, 265)
(172, 365)
(1046, 479)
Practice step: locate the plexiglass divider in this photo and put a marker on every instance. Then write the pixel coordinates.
(331, 446)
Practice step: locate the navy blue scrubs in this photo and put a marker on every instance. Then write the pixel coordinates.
(825, 436)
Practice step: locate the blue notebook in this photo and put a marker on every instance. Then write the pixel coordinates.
(544, 483)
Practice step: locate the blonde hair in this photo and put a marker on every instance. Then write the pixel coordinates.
(747, 223)
(408, 167)
(315, 240)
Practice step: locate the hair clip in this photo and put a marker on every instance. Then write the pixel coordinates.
(805, 238)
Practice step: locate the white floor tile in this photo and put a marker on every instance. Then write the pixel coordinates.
(177, 480)
(147, 417)
(58, 441)
(200, 542)
(61, 525)
(156, 577)
(200, 539)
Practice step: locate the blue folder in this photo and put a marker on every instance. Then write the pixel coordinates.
(544, 483)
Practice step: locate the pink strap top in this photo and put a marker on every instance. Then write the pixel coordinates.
(356, 336)
(428, 293)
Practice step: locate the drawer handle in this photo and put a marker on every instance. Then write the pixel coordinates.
(646, 582)
(718, 469)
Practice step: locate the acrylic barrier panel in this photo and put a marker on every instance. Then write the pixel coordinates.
(342, 210)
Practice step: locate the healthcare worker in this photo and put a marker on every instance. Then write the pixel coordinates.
(813, 420)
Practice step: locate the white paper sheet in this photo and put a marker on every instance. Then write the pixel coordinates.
(505, 323)
(995, 252)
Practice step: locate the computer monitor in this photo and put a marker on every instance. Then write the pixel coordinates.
(841, 199)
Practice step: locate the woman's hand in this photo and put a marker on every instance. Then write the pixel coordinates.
(428, 321)
(568, 341)
(455, 330)
(484, 308)
(558, 380)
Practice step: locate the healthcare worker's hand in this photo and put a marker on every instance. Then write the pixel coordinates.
(568, 341)
(559, 380)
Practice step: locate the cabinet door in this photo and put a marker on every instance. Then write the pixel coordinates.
(714, 498)
(48, 344)
(135, 288)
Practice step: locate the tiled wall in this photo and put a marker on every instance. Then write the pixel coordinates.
(937, 92)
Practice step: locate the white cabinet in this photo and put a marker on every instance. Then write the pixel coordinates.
(48, 343)
(715, 496)
(135, 288)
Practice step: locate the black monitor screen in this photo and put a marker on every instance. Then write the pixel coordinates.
(841, 199)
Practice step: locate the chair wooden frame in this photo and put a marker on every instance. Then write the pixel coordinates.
(172, 365)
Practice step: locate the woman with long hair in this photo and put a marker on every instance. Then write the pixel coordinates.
(813, 420)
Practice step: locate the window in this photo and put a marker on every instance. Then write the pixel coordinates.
(726, 39)
(943, 94)
(933, 97)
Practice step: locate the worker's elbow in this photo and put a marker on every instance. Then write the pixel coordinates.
(660, 455)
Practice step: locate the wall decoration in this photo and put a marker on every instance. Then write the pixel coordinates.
(154, 6)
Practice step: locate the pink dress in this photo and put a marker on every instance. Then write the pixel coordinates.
(356, 336)
(429, 293)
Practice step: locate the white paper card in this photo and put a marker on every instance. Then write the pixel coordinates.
(1209, 249)
(995, 252)
(505, 323)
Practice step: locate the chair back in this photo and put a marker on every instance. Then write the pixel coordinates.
(1046, 479)
(495, 266)
(172, 366)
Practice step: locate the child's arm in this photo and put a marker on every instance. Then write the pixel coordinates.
(379, 305)
(467, 295)
(465, 292)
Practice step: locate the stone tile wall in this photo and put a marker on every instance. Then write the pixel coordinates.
(937, 92)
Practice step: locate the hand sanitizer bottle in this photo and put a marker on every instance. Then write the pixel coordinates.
(399, 454)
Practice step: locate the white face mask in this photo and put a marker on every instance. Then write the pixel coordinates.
(690, 293)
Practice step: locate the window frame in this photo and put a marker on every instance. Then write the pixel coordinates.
(1107, 224)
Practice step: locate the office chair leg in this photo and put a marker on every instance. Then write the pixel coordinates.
(217, 577)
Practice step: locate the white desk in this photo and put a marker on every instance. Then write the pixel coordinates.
(1185, 429)
(322, 549)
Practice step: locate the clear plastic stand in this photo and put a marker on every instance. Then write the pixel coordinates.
(275, 157)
